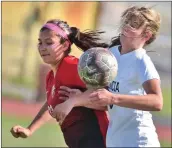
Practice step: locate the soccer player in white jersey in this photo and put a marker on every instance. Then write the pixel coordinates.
(136, 89)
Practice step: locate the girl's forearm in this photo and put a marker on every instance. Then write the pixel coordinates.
(42, 117)
(150, 102)
(96, 107)
(85, 102)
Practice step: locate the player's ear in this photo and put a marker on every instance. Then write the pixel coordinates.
(147, 35)
(66, 45)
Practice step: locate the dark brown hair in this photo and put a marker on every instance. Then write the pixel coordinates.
(115, 41)
(83, 40)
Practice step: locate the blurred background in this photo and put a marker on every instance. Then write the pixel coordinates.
(23, 72)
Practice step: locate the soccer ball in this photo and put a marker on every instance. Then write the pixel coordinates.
(97, 67)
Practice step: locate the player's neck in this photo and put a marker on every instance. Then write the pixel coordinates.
(125, 50)
(55, 67)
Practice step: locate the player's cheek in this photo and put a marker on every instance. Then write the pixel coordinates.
(39, 49)
(53, 47)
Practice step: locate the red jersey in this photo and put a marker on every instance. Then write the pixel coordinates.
(67, 75)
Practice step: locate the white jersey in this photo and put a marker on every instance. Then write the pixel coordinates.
(131, 127)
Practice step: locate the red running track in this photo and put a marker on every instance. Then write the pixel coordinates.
(19, 108)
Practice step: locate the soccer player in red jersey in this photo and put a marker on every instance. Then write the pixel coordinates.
(83, 127)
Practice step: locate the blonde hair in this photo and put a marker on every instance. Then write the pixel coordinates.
(139, 16)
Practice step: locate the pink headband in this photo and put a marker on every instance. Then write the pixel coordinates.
(57, 29)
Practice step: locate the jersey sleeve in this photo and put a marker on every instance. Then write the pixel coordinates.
(147, 70)
(73, 72)
(78, 80)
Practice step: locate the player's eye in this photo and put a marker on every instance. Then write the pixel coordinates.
(126, 22)
(39, 43)
(49, 43)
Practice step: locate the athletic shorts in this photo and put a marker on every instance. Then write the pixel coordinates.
(84, 134)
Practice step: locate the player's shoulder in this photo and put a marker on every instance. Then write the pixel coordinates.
(69, 63)
(143, 59)
(141, 55)
(68, 71)
(70, 60)
(114, 48)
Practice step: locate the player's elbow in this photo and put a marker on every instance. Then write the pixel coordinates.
(159, 107)
(159, 104)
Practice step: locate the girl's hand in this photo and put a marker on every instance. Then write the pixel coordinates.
(66, 92)
(19, 131)
(101, 97)
(62, 110)
(76, 97)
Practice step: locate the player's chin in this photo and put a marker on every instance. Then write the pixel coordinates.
(47, 61)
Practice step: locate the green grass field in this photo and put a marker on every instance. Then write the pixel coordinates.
(167, 102)
(47, 136)
(166, 111)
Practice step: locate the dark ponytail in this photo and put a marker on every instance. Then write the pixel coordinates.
(87, 39)
(115, 41)
(83, 40)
